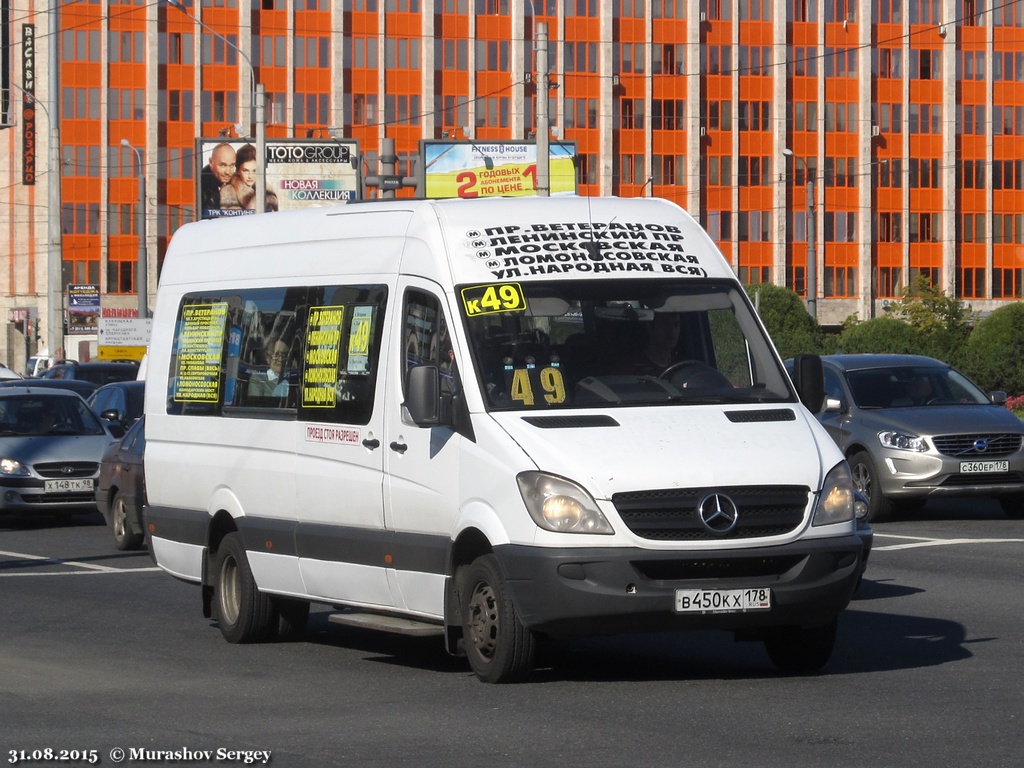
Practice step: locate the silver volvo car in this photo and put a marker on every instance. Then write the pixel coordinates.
(915, 428)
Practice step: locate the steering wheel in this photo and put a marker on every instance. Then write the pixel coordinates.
(694, 374)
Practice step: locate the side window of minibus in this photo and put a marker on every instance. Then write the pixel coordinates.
(426, 338)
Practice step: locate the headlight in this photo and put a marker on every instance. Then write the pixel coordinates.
(902, 441)
(13, 467)
(835, 504)
(556, 504)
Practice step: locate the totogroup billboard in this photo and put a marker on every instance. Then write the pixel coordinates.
(299, 174)
(494, 168)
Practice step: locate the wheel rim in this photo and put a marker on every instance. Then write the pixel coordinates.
(484, 620)
(229, 591)
(119, 520)
(862, 479)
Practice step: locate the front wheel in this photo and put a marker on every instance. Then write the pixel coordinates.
(124, 537)
(499, 648)
(801, 650)
(865, 480)
(243, 612)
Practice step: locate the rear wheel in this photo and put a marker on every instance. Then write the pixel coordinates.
(865, 480)
(243, 612)
(801, 650)
(124, 537)
(499, 648)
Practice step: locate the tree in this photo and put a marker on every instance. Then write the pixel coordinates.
(943, 323)
(995, 351)
(792, 329)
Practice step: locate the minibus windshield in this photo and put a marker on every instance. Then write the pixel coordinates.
(594, 343)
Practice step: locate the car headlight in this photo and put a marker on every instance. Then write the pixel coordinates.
(835, 504)
(902, 441)
(13, 467)
(557, 504)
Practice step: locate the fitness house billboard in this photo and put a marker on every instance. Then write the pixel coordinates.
(300, 174)
(495, 168)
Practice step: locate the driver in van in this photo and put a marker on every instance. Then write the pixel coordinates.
(660, 350)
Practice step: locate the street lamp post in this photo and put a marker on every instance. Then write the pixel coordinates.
(812, 233)
(142, 275)
(258, 105)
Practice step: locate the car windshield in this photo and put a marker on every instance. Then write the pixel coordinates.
(913, 386)
(38, 415)
(585, 344)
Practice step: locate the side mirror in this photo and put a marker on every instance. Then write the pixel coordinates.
(111, 415)
(809, 379)
(998, 397)
(422, 400)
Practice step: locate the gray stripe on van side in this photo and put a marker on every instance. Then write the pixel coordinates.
(188, 526)
(319, 541)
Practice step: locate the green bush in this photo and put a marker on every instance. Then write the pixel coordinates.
(792, 329)
(882, 335)
(994, 355)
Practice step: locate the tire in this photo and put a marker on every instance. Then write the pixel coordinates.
(865, 480)
(124, 537)
(290, 619)
(499, 648)
(801, 650)
(245, 614)
(1013, 506)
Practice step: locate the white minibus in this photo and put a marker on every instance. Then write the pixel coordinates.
(493, 420)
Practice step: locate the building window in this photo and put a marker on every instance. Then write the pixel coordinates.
(804, 62)
(888, 282)
(840, 226)
(925, 227)
(840, 281)
(888, 227)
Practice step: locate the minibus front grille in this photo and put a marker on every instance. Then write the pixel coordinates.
(672, 514)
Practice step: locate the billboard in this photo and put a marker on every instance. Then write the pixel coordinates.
(300, 173)
(494, 168)
(83, 309)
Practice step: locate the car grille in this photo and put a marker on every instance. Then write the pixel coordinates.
(671, 514)
(56, 470)
(964, 445)
(59, 499)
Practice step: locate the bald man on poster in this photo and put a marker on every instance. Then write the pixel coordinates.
(215, 174)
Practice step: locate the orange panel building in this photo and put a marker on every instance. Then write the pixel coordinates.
(839, 147)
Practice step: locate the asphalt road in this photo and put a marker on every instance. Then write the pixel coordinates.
(100, 652)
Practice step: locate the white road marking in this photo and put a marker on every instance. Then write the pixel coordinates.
(914, 542)
(85, 568)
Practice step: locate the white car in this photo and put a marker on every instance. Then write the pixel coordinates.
(7, 374)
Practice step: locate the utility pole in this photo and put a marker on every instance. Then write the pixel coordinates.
(543, 123)
(812, 259)
(142, 274)
(54, 257)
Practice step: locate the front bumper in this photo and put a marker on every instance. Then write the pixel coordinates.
(906, 475)
(575, 592)
(25, 496)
